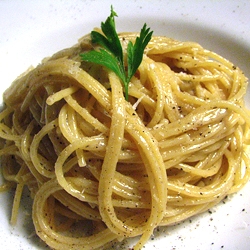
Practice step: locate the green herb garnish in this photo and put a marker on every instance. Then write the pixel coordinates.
(111, 53)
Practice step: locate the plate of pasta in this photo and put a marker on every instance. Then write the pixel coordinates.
(125, 125)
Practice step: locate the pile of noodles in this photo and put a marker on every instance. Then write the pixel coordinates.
(102, 169)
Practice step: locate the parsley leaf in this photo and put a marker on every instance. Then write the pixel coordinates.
(111, 53)
(135, 52)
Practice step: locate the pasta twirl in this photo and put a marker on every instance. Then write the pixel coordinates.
(101, 169)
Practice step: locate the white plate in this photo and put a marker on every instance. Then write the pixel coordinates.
(32, 30)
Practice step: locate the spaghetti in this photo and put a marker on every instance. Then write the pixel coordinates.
(101, 169)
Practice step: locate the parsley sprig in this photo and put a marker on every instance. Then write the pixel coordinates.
(111, 55)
